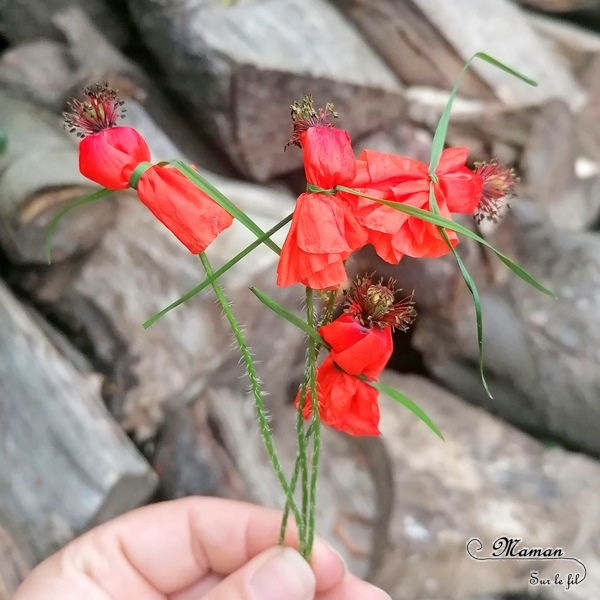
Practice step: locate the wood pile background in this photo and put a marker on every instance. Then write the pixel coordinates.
(98, 416)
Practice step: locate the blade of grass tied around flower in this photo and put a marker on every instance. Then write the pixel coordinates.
(439, 138)
(428, 216)
(223, 201)
(221, 271)
(414, 408)
(288, 316)
(61, 213)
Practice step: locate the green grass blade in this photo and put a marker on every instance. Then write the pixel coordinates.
(223, 201)
(209, 280)
(439, 137)
(414, 408)
(470, 284)
(428, 216)
(61, 213)
(478, 314)
(288, 316)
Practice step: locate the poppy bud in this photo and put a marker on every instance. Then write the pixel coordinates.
(324, 232)
(193, 217)
(108, 154)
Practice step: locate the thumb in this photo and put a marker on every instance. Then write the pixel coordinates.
(276, 574)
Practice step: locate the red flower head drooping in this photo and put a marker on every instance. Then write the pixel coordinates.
(193, 217)
(497, 188)
(108, 154)
(323, 232)
(361, 345)
(407, 181)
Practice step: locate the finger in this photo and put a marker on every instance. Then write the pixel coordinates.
(277, 574)
(164, 548)
(351, 588)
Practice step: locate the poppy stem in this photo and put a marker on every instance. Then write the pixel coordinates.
(316, 424)
(302, 445)
(255, 386)
(293, 483)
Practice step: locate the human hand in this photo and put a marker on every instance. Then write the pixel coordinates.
(193, 549)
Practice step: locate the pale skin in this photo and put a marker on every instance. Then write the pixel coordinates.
(193, 549)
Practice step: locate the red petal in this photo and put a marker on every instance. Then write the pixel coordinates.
(389, 169)
(328, 156)
(356, 349)
(110, 156)
(191, 215)
(462, 190)
(451, 159)
(320, 224)
(345, 402)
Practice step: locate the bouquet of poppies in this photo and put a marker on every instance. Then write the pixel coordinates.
(399, 205)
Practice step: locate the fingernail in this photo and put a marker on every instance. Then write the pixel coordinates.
(283, 576)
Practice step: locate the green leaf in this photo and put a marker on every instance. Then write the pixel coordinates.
(209, 280)
(398, 397)
(428, 216)
(223, 201)
(61, 213)
(288, 316)
(439, 137)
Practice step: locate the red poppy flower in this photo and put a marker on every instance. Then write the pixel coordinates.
(497, 188)
(324, 232)
(108, 154)
(358, 350)
(404, 180)
(360, 343)
(193, 217)
(322, 236)
(345, 402)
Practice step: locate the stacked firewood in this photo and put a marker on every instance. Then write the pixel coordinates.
(98, 415)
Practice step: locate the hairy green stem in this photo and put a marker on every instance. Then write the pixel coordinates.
(255, 385)
(316, 423)
(293, 483)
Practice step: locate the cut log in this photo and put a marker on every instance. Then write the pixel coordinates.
(38, 175)
(191, 459)
(68, 465)
(239, 67)
(469, 31)
(541, 353)
(487, 480)
(413, 48)
(561, 6)
(26, 20)
(549, 170)
(589, 121)
(39, 71)
(576, 43)
(14, 566)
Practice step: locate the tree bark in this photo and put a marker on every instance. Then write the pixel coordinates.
(38, 176)
(240, 67)
(66, 464)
